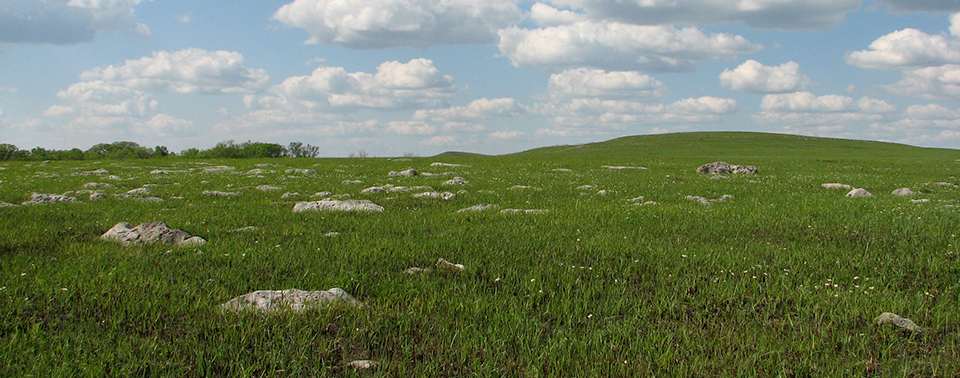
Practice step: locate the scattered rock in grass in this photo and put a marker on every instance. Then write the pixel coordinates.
(286, 300)
(456, 181)
(99, 171)
(321, 194)
(650, 203)
(523, 211)
(217, 169)
(267, 188)
(898, 321)
(480, 207)
(289, 195)
(562, 170)
(39, 198)
(922, 200)
(149, 233)
(5, 204)
(416, 270)
(403, 189)
(903, 192)
(219, 193)
(112, 177)
(438, 174)
(334, 205)
(952, 185)
(363, 365)
(621, 167)
(603, 192)
(518, 187)
(407, 173)
(300, 171)
(373, 190)
(340, 196)
(708, 201)
(159, 172)
(836, 185)
(141, 192)
(268, 165)
(244, 229)
(636, 199)
(138, 197)
(257, 171)
(859, 192)
(446, 196)
(719, 168)
(348, 182)
(331, 234)
(97, 196)
(439, 164)
(91, 185)
(444, 264)
(585, 187)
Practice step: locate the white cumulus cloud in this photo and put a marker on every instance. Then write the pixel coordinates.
(831, 113)
(762, 14)
(751, 76)
(440, 141)
(102, 99)
(476, 110)
(941, 82)
(585, 82)
(618, 46)
(162, 125)
(411, 128)
(185, 71)
(506, 135)
(65, 21)
(907, 48)
(365, 24)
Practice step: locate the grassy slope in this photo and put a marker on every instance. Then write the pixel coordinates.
(782, 280)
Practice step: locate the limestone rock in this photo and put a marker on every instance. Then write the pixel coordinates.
(363, 364)
(149, 233)
(267, 188)
(268, 165)
(562, 170)
(218, 193)
(286, 300)
(141, 192)
(480, 207)
(97, 196)
(444, 264)
(523, 211)
(416, 270)
(38, 198)
(439, 164)
(407, 173)
(289, 195)
(5, 204)
(708, 201)
(903, 192)
(621, 167)
(898, 321)
(836, 185)
(719, 168)
(347, 182)
(445, 195)
(91, 185)
(300, 171)
(99, 171)
(373, 190)
(859, 192)
(217, 169)
(321, 194)
(334, 205)
(456, 181)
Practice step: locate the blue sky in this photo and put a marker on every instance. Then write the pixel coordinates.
(496, 76)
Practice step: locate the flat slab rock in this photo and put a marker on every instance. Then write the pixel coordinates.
(859, 192)
(149, 233)
(335, 205)
(898, 321)
(286, 300)
(39, 198)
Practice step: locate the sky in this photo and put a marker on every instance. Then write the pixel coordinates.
(420, 77)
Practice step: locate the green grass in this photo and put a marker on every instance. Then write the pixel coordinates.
(782, 280)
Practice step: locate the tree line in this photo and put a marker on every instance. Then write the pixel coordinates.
(131, 150)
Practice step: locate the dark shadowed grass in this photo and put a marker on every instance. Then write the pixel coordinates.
(782, 280)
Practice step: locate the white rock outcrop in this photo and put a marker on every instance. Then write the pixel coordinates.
(40, 198)
(335, 205)
(903, 192)
(859, 192)
(149, 233)
(287, 300)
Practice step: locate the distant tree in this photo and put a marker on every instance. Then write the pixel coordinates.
(160, 151)
(117, 150)
(363, 153)
(300, 150)
(71, 154)
(8, 152)
(411, 154)
(190, 152)
(40, 153)
(227, 149)
(262, 150)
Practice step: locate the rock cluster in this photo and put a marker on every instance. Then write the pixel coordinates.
(39, 198)
(300, 171)
(719, 168)
(456, 181)
(149, 233)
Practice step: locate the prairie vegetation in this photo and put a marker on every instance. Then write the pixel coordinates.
(784, 278)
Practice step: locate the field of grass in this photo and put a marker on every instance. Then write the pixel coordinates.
(782, 280)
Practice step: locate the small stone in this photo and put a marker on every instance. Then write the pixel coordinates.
(445, 195)
(149, 233)
(373, 190)
(334, 205)
(91, 185)
(523, 211)
(300, 171)
(218, 193)
(407, 173)
(836, 185)
(363, 364)
(621, 167)
(159, 172)
(480, 207)
(5, 204)
(321, 194)
(39, 198)
(416, 270)
(348, 182)
(439, 164)
(267, 188)
(456, 181)
(898, 321)
(331, 234)
(141, 192)
(217, 169)
(444, 264)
